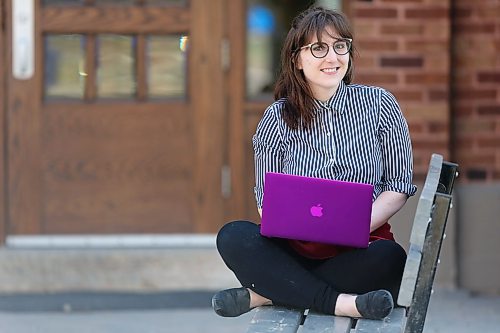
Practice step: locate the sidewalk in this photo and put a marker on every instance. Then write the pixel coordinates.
(449, 311)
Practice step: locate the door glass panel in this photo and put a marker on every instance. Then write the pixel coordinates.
(114, 2)
(166, 2)
(166, 66)
(268, 22)
(64, 66)
(62, 2)
(115, 66)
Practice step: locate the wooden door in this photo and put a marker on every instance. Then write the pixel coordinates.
(117, 145)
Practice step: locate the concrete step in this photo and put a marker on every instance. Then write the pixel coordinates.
(126, 269)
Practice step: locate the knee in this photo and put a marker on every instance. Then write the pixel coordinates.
(393, 256)
(233, 234)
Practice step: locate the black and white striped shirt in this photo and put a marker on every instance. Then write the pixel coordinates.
(358, 135)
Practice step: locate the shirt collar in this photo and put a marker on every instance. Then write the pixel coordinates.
(336, 102)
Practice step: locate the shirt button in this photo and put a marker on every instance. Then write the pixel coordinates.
(328, 133)
(331, 160)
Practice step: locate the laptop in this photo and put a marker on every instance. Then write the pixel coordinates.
(315, 209)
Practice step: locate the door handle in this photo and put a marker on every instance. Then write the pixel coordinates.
(23, 39)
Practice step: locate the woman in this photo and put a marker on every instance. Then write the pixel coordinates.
(323, 126)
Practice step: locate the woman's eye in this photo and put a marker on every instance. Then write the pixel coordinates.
(319, 47)
(340, 46)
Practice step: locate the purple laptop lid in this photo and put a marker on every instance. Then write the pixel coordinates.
(315, 209)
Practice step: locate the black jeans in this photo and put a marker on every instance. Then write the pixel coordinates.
(271, 268)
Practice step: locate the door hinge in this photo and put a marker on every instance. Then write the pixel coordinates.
(225, 54)
(226, 181)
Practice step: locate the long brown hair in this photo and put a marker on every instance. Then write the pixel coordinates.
(291, 83)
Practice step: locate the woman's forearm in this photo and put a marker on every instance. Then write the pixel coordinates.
(385, 206)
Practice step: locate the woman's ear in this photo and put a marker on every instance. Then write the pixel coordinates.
(297, 62)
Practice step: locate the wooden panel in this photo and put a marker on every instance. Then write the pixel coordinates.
(3, 46)
(316, 323)
(235, 94)
(115, 20)
(393, 323)
(23, 140)
(116, 169)
(269, 319)
(208, 105)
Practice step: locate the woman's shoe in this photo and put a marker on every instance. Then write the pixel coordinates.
(231, 302)
(376, 304)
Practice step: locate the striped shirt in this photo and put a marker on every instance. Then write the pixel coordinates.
(358, 135)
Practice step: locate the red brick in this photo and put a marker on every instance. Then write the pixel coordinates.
(489, 110)
(415, 127)
(427, 13)
(376, 78)
(439, 95)
(493, 142)
(471, 127)
(430, 145)
(427, 46)
(462, 13)
(476, 94)
(473, 28)
(379, 13)
(409, 95)
(427, 78)
(463, 110)
(402, 61)
(377, 45)
(402, 29)
(438, 127)
(488, 77)
(463, 144)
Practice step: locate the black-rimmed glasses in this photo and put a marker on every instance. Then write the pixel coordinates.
(320, 49)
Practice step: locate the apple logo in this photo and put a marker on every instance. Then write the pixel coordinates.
(317, 211)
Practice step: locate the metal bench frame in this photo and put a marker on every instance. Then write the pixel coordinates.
(416, 286)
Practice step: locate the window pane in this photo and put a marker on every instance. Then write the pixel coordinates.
(166, 66)
(115, 66)
(64, 68)
(268, 22)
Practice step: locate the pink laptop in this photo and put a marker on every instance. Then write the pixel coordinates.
(315, 209)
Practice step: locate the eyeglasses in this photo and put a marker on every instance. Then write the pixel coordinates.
(320, 49)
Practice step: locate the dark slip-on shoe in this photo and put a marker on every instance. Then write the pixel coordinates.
(376, 304)
(231, 302)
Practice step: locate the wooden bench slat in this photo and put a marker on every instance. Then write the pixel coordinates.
(269, 319)
(409, 278)
(425, 202)
(393, 323)
(322, 323)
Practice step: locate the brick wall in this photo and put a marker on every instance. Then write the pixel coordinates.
(404, 46)
(476, 88)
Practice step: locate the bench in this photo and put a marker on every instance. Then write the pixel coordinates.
(416, 285)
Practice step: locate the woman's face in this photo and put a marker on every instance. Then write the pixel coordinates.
(323, 74)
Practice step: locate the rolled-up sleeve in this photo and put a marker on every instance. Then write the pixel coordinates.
(267, 144)
(397, 155)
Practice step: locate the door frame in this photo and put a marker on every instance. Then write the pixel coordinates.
(3, 129)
